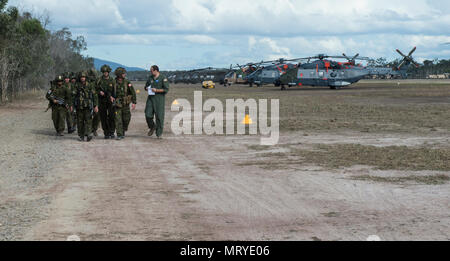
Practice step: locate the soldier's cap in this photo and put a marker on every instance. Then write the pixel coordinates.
(59, 78)
(83, 74)
(119, 71)
(105, 68)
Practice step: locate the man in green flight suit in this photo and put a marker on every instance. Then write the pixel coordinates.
(105, 86)
(156, 102)
(86, 101)
(61, 101)
(122, 96)
(69, 115)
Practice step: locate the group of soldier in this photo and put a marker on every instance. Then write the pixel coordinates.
(83, 101)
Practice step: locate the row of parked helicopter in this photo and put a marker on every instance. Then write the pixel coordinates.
(322, 71)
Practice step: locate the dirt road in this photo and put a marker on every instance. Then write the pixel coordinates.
(196, 188)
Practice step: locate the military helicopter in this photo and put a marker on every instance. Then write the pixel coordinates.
(269, 72)
(199, 75)
(239, 73)
(324, 72)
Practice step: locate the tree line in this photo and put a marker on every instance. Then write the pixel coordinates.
(31, 55)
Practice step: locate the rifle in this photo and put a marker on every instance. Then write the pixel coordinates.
(49, 102)
(60, 101)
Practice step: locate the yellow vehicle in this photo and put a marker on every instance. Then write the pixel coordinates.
(208, 85)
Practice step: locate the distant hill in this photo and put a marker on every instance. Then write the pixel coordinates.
(99, 62)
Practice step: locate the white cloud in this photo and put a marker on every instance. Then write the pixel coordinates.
(200, 39)
(231, 31)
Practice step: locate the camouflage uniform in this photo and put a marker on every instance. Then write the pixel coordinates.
(69, 115)
(92, 79)
(156, 104)
(59, 111)
(73, 83)
(106, 110)
(86, 100)
(124, 94)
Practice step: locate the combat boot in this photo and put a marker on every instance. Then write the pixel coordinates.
(120, 138)
(89, 138)
(150, 132)
(81, 138)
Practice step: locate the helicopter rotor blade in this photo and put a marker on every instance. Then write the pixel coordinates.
(412, 51)
(398, 51)
(401, 64)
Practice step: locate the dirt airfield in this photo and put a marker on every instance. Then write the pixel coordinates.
(370, 159)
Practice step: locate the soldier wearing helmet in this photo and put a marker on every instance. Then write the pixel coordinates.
(73, 82)
(105, 86)
(92, 79)
(69, 115)
(86, 101)
(122, 96)
(60, 101)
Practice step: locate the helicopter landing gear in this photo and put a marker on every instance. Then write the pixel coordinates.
(251, 84)
(283, 88)
(335, 87)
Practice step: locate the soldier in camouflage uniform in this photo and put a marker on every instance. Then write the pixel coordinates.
(86, 101)
(105, 86)
(92, 79)
(122, 96)
(155, 105)
(69, 118)
(73, 83)
(61, 101)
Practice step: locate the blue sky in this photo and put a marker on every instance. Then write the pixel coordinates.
(186, 34)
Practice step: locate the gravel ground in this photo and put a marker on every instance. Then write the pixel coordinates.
(27, 153)
(208, 187)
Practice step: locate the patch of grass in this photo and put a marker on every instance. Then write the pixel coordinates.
(428, 180)
(331, 214)
(347, 155)
(258, 147)
(369, 107)
(384, 158)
